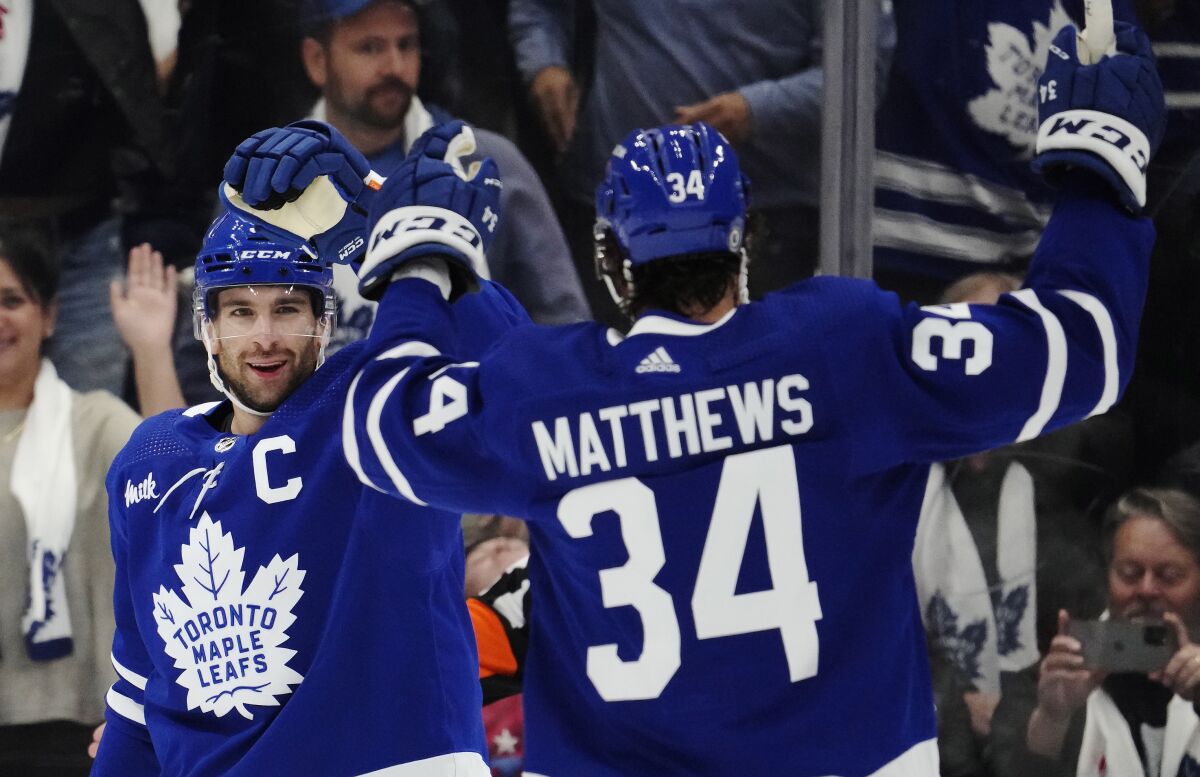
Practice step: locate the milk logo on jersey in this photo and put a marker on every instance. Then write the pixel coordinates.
(1015, 63)
(147, 489)
(226, 640)
(224, 444)
(657, 361)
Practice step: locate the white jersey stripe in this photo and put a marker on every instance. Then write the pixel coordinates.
(449, 765)
(1056, 366)
(410, 348)
(379, 445)
(349, 441)
(1108, 337)
(132, 677)
(196, 410)
(126, 707)
(919, 760)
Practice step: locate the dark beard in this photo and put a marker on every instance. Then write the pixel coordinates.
(365, 114)
(306, 367)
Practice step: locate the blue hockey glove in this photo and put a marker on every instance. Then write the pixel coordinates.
(434, 207)
(1108, 117)
(308, 180)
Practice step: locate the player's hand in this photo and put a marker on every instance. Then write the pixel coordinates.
(96, 737)
(1108, 117)
(307, 180)
(557, 98)
(438, 204)
(1063, 681)
(144, 306)
(1182, 672)
(728, 112)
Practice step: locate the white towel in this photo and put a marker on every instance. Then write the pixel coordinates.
(1108, 749)
(982, 635)
(43, 483)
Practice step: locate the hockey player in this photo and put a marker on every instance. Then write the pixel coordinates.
(274, 615)
(722, 502)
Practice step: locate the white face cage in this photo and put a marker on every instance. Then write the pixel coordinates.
(205, 331)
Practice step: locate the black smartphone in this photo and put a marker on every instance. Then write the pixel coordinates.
(1125, 646)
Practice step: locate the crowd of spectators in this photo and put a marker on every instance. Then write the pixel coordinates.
(115, 120)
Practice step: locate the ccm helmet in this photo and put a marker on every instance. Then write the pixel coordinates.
(239, 252)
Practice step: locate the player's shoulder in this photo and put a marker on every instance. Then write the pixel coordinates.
(531, 350)
(826, 299)
(167, 434)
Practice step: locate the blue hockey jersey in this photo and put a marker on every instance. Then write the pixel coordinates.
(722, 515)
(276, 616)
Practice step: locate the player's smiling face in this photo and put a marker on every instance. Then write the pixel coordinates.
(267, 342)
(370, 67)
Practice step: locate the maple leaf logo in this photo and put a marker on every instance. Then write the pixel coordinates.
(226, 640)
(1015, 63)
(964, 646)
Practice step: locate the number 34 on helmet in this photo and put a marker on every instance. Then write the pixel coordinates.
(667, 192)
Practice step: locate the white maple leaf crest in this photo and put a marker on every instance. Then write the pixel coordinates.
(227, 641)
(1015, 64)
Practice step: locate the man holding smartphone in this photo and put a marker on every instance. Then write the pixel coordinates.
(1098, 707)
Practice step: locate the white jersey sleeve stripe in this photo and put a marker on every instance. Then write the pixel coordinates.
(1108, 337)
(1056, 366)
(448, 765)
(379, 444)
(127, 674)
(126, 707)
(411, 348)
(349, 441)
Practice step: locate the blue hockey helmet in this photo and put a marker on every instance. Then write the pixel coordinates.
(666, 192)
(673, 190)
(239, 252)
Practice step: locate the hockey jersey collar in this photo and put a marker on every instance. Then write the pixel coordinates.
(664, 323)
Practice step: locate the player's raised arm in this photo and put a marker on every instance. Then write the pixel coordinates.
(414, 421)
(964, 377)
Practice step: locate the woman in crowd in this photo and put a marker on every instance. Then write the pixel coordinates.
(56, 569)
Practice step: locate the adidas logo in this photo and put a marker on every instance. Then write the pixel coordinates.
(658, 361)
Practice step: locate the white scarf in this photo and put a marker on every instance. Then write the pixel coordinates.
(1108, 749)
(947, 566)
(16, 28)
(43, 483)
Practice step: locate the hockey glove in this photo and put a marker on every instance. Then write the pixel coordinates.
(1108, 117)
(434, 207)
(308, 180)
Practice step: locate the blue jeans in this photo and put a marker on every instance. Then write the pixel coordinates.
(86, 348)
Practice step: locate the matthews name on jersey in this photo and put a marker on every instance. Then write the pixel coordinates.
(722, 515)
(274, 615)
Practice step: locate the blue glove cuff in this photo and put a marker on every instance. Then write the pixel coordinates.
(410, 231)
